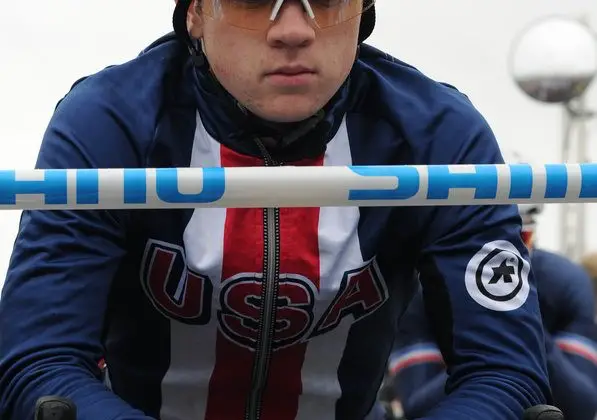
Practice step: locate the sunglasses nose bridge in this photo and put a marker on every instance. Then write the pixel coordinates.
(278, 6)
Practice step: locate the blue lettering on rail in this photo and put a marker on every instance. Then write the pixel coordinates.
(440, 181)
(54, 186)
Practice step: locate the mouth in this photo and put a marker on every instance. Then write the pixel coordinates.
(291, 71)
(291, 76)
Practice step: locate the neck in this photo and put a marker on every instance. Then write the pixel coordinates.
(232, 124)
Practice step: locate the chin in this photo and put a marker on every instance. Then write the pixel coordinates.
(288, 110)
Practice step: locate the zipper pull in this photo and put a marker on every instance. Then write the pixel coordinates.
(267, 157)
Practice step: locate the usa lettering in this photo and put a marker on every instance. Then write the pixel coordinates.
(186, 296)
(172, 287)
(361, 292)
(240, 300)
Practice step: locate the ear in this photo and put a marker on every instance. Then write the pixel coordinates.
(195, 20)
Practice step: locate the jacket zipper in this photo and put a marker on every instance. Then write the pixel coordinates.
(269, 297)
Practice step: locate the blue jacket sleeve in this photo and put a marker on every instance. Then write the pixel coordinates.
(481, 296)
(571, 345)
(416, 366)
(54, 299)
(573, 389)
(419, 377)
(425, 398)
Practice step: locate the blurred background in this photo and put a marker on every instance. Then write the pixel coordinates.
(47, 45)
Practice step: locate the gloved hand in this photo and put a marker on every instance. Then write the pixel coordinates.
(543, 412)
(55, 408)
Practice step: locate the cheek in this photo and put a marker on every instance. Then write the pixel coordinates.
(340, 49)
(339, 59)
(230, 59)
(213, 45)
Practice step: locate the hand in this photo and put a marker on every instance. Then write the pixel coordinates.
(55, 408)
(543, 412)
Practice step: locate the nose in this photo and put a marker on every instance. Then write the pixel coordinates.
(292, 27)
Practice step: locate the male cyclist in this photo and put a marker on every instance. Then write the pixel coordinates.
(264, 313)
(418, 370)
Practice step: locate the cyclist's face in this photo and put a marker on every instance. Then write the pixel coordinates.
(282, 70)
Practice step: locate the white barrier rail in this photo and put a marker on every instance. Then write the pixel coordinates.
(290, 186)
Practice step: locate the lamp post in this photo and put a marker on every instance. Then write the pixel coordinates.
(553, 61)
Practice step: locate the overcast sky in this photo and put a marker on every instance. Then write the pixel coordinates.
(48, 45)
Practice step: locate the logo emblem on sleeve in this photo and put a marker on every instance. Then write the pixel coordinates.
(497, 277)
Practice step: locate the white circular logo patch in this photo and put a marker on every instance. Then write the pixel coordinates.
(497, 277)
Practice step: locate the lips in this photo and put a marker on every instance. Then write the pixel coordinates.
(291, 71)
(291, 78)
